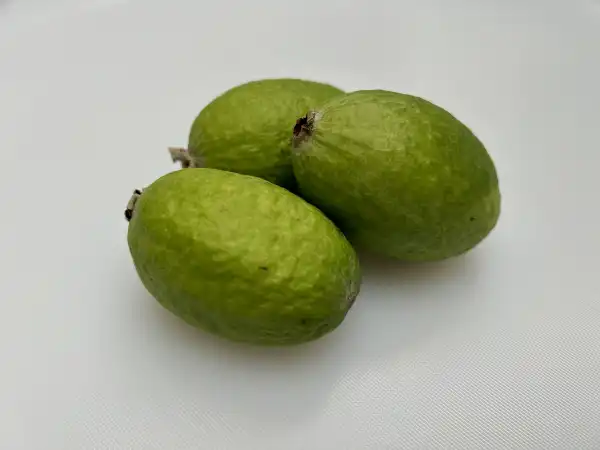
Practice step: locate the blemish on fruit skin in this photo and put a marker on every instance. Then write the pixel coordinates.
(264, 268)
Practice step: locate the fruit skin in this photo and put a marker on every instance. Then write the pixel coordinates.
(399, 175)
(247, 128)
(241, 257)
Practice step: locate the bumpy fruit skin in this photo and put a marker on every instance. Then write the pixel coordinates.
(398, 174)
(247, 128)
(242, 258)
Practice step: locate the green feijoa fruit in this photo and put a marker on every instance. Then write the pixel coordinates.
(399, 175)
(241, 257)
(247, 128)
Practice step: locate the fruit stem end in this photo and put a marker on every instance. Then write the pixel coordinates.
(304, 128)
(129, 210)
(182, 156)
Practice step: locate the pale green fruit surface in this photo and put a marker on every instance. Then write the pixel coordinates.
(398, 174)
(241, 257)
(247, 128)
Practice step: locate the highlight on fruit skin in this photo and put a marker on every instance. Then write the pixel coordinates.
(245, 260)
(401, 176)
(246, 128)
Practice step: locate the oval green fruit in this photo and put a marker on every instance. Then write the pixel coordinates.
(241, 257)
(398, 174)
(247, 128)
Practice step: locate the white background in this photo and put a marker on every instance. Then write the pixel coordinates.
(499, 349)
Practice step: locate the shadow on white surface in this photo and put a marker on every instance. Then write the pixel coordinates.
(398, 312)
(419, 275)
(407, 306)
(286, 385)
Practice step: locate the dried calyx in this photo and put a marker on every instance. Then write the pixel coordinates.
(303, 129)
(131, 204)
(182, 156)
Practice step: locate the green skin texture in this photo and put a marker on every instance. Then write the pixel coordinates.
(247, 129)
(242, 258)
(399, 175)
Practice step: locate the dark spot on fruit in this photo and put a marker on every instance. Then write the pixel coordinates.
(304, 321)
(472, 219)
(128, 214)
(137, 192)
(300, 125)
(263, 268)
